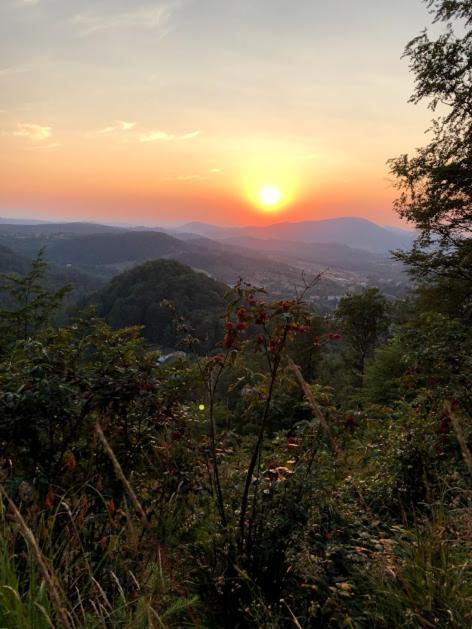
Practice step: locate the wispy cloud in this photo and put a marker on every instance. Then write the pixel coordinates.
(148, 17)
(163, 136)
(189, 177)
(9, 71)
(194, 176)
(46, 147)
(35, 132)
(189, 136)
(120, 125)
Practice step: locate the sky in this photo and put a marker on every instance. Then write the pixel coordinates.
(224, 111)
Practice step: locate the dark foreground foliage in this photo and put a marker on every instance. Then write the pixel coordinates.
(295, 472)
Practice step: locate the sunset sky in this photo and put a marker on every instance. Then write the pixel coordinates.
(163, 112)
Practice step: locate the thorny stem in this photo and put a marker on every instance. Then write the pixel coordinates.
(216, 473)
(255, 457)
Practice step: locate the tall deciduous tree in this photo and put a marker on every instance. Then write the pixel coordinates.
(364, 322)
(436, 182)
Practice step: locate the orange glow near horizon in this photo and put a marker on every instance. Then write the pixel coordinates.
(103, 118)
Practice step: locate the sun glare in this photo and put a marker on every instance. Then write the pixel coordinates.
(270, 177)
(270, 196)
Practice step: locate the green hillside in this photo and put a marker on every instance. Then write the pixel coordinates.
(135, 298)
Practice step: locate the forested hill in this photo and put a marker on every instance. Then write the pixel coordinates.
(275, 264)
(112, 249)
(11, 262)
(157, 295)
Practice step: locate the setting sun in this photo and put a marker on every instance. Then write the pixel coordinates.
(270, 196)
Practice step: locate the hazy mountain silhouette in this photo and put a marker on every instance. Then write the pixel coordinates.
(352, 232)
(227, 255)
(45, 229)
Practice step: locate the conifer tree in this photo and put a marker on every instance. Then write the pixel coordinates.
(30, 305)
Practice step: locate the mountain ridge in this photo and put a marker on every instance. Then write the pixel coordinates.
(358, 233)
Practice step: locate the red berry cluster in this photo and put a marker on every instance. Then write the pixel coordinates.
(279, 321)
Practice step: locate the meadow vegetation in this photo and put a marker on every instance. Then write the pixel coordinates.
(290, 470)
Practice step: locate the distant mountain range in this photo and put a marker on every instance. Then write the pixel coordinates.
(353, 232)
(349, 253)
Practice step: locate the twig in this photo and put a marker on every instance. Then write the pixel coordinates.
(119, 472)
(314, 405)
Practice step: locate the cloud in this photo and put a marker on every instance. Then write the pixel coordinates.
(189, 136)
(163, 136)
(156, 136)
(149, 18)
(35, 132)
(189, 177)
(8, 71)
(46, 147)
(194, 176)
(120, 125)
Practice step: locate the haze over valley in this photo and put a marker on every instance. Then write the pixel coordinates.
(348, 254)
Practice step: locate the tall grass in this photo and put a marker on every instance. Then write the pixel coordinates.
(432, 584)
(25, 604)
